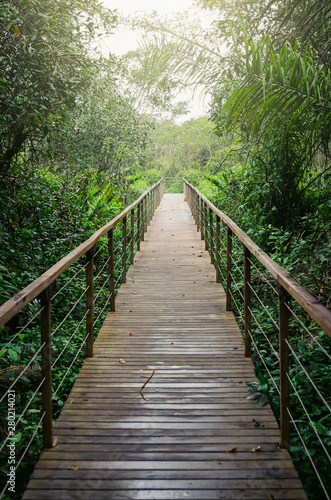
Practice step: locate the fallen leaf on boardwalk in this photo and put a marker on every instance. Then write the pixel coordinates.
(131, 335)
(199, 255)
(258, 449)
(231, 450)
(122, 361)
(157, 390)
(171, 343)
(161, 310)
(74, 467)
(271, 497)
(55, 442)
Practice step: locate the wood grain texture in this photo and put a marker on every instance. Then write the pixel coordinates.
(170, 319)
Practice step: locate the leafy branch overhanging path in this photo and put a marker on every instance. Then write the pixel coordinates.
(190, 433)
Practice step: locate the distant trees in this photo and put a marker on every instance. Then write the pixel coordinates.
(45, 61)
(267, 65)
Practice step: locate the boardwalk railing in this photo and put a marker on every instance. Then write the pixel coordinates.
(285, 328)
(83, 287)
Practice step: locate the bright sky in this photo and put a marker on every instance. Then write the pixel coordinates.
(125, 39)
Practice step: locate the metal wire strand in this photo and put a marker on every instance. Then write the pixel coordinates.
(235, 283)
(70, 366)
(83, 268)
(307, 375)
(222, 258)
(238, 309)
(236, 244)
(98, 294)
(23, 371)
(264, 334)
(71, 337)
(224, 245)
(119, 279)
(105, 305)
(265, 365)
(26, 449)
(24, 411)
(68, 314)
(101, 248)
(263, 306)
(307, 453)
(118, 246)
(307, 331)
(263, 277)
(119, 261)
(312, 423)
(235, 263)
(22, 329)
(99, 273)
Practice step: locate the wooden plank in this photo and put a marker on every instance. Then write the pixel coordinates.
(171, 321)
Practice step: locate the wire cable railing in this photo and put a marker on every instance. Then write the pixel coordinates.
(280, 322)
(63, 325)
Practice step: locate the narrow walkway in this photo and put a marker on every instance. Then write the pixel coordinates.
(194, 435)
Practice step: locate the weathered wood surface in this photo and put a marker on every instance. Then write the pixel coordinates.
(170, 318)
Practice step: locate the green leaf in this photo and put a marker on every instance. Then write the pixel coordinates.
(13, 354)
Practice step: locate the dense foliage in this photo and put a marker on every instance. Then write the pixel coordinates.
(76, 146)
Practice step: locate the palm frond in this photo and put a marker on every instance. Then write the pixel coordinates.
(285, 89)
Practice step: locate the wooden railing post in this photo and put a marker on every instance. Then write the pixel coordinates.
(142, 220)
(201, 218)
(132, 238)
(124, 250)
(218, 248)
(285, 430)
(194, 207)
(206, 226)
(89, 302)
(111, 269)
(138, 226)
(247, 303)
(198, 214)
(150, 206)
(228, 269)
(153, 203)
(46, 367)
(211, 231)
(146, 213)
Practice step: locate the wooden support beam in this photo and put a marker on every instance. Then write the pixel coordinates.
(285, 429)
(46, 367)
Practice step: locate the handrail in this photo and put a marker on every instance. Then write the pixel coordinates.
(30, 292)
(281, 350)
(133, 223)
(315, 309)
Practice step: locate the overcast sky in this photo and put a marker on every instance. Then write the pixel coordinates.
(124, 39)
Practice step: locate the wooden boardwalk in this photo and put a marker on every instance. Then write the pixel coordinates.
(193, 436)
